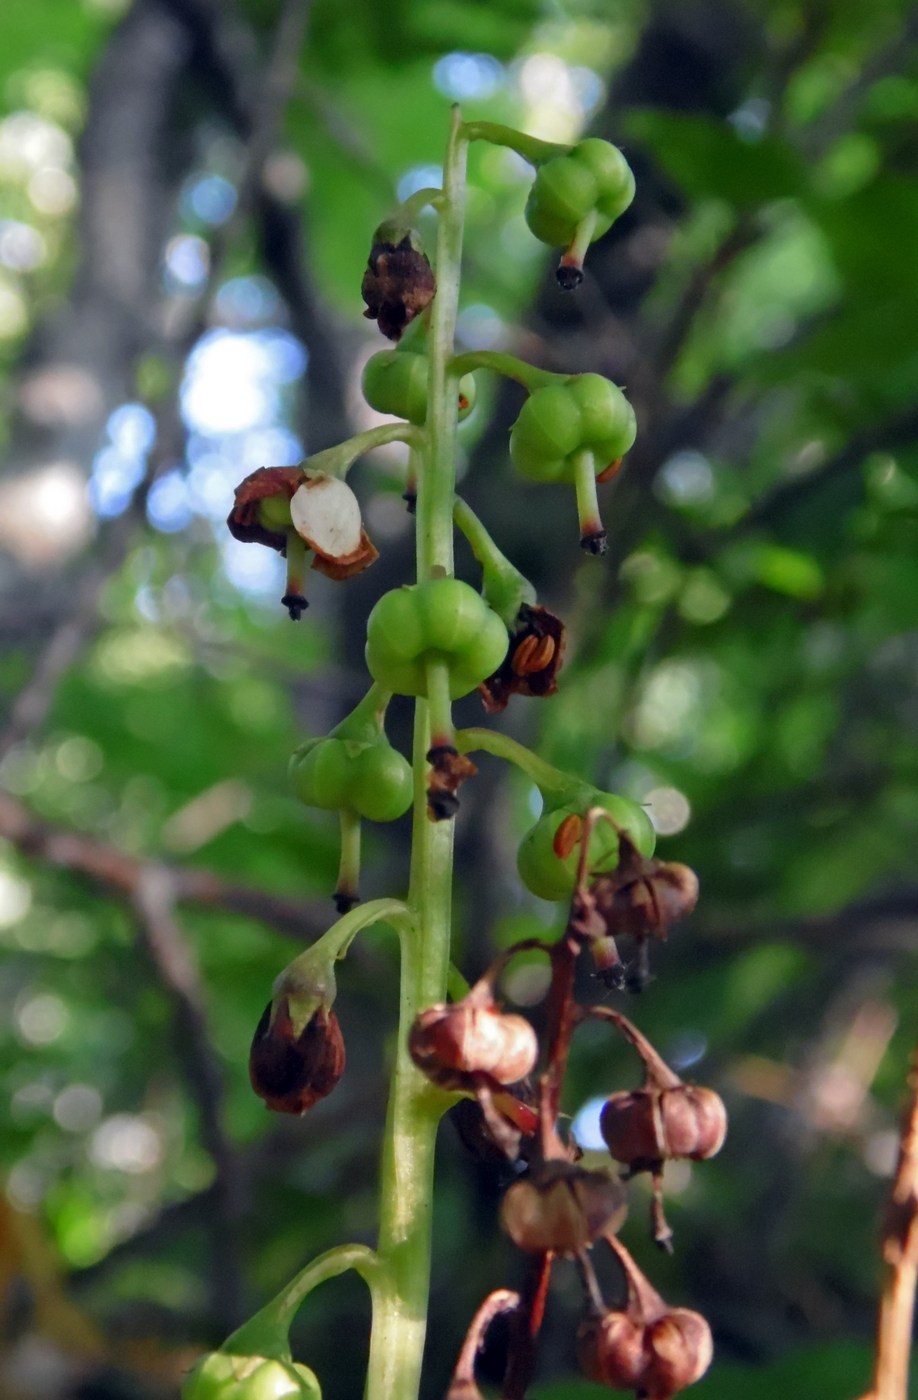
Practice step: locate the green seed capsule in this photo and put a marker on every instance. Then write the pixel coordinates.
(549, 853)
(395, 381)
(592, 177)
(371, 779)
(584, 412)
(223, 1376)
(441, 620)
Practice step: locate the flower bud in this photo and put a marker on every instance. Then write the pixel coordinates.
(224, 1376)
(561, 1208)
(451, 1042)
(680, 1350)
(293, 1071)
(650, 1125)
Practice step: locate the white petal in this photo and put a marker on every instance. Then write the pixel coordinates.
(326, 513)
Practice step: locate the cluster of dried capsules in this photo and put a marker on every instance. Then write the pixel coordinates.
(558, 1208)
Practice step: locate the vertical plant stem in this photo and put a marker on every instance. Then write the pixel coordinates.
(406, 1186)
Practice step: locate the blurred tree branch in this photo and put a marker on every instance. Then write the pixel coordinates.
(167, 949)
(123, 875)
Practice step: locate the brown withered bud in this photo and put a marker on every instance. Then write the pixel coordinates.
(561, 1208)
(397, 285)
(453, 1042)
(532, 662)
(650, 1125)
(292, 1072)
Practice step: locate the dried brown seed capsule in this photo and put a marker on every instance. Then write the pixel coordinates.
(561, 1208)
(646, 1346)
(657, 1359)
(648, 1126)
(680, 1349)
(532, 662)
(292, 1072)
(611, 1350)
(397, 285)
(452, 1043)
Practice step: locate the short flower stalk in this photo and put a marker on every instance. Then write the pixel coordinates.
(437, 638)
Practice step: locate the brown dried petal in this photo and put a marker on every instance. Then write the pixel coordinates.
(533, 659)
(516, 1104)
(244, 519)
(292, 1072)
(350, 564)
(397, 285)
(612, 470)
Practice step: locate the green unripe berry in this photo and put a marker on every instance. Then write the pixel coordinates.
(548, 864)
(442, 619)
(223, 1376)
(395, 381)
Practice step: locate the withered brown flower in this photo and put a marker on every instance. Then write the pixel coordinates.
(275, 505)
(397, 285)
(292, 1072)
(533, 659)
(246, 520)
